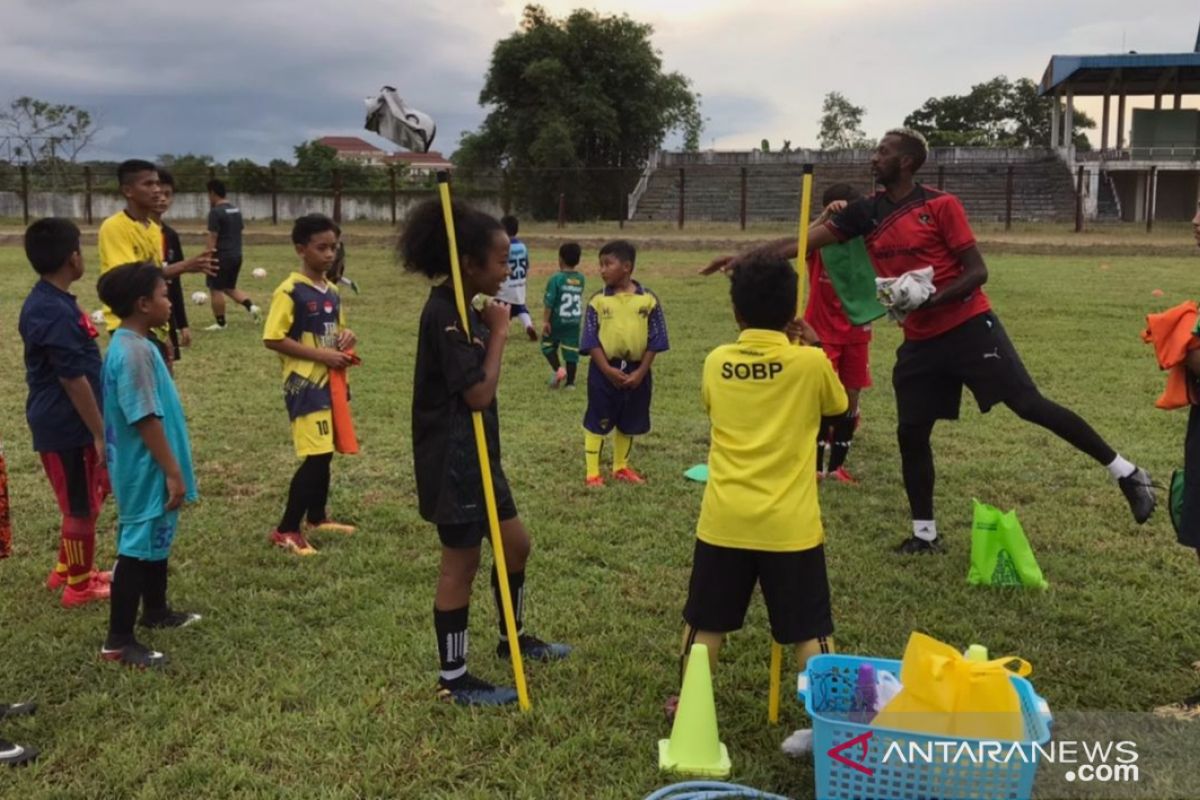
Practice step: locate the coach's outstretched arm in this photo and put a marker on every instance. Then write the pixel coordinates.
(973, 276)
(819, 236)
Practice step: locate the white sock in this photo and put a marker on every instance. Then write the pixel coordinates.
(526, 320)
(1120, 468)
(925, 529)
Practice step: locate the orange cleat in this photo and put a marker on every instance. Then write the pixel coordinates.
(842, 476)
(594, 482)
(294, 542)
(627, 475)
(90, 591)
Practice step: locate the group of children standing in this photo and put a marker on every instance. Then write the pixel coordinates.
(119, 420)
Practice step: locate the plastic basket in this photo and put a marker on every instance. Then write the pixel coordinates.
(827, 688)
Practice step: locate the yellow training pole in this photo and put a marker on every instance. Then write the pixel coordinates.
(805, 218)
(485, 467)
(801, 258)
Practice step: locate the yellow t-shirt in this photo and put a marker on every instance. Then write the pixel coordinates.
(124, 240)
(765, 398)
(311, 315)
(624, 324)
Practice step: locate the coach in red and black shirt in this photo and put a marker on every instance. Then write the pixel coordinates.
(954, 338)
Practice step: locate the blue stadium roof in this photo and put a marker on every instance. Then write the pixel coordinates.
(1140, 74)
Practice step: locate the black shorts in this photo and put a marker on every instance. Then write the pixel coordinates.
(226, 278)
(465, 535)
(627, 410)
(930, 373)
(794, 585)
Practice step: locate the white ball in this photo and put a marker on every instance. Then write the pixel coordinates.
(98, 316)
(199, 298)
(259, 272)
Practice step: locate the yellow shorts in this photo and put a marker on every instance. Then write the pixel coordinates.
(313, 433)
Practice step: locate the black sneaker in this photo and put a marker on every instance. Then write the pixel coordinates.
(914, 546)
(1139, 491)
(14, 755)
(535, 649)
(135, 654)
(169, 619)
(17, 710)
(471, 691)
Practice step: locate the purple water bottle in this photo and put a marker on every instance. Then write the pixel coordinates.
(863, 708)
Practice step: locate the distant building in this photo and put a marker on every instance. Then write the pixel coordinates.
(420, 163)
(352, 148)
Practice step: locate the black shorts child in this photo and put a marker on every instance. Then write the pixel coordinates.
(794, 584)
(930, 373)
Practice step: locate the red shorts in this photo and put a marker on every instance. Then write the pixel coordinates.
(851, 362)
(79, 480)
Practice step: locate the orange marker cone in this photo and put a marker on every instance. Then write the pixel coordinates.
(695, 747)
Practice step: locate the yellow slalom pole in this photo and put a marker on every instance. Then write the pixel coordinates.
(485, 467)
(806, 184)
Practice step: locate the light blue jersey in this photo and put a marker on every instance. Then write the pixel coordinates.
(137, 385)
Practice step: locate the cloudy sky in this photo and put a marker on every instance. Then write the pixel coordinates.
(253, 78)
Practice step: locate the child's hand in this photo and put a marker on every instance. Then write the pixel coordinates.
(346, 339)
(101, 451)
(615, 376)
(800, 331)
(496, 316)
(835, 207)
(185, 337)
(545, 329)
(634, 379)
(334, 359)
(206, 263)
(175, 491)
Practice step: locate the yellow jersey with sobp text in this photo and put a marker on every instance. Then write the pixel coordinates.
(124, 240)
(624, 324)
(311, 315)
(765, 398)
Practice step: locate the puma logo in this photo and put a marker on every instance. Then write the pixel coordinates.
(994, 354)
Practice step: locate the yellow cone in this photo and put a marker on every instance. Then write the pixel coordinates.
(694, 747)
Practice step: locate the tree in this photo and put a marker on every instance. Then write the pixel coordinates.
(765, 146)
(189, 170)
(246, 176)
(997, 113)
(48, 136)
(841, 124)
(576, 106)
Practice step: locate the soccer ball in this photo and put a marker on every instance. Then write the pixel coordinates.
(259, 272)
(98, 316)
(199, 298)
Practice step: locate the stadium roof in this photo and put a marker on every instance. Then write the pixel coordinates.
(1140, 74)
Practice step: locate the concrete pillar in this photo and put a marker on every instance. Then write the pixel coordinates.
(1069, 127)
(1091, 201)
(1121, 117)
(1178, 91)
(1054, 112)
(1104, 123)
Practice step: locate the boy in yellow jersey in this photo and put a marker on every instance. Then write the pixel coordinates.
(760, 521)
(133, 236)
(623, 330)
(307, 328)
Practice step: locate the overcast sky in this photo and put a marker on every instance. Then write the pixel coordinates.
(255, 77)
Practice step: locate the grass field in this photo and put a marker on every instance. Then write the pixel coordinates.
(314, 678)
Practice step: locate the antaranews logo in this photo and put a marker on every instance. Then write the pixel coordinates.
(1085, 761)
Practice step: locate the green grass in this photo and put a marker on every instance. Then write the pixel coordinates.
(314, 678)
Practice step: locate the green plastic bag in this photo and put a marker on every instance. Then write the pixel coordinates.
(1000, 553)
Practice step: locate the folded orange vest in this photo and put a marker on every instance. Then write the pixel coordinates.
(344, 439)
(1172, 334)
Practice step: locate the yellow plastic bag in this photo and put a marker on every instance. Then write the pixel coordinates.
(946, 695)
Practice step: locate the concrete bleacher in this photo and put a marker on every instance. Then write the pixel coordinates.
(1043, 188)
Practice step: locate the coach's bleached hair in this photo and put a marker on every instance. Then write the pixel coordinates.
(913, 144)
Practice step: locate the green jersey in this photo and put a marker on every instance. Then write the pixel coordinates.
(564, 298)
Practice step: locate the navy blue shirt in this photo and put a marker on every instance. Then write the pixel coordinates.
(60, 342)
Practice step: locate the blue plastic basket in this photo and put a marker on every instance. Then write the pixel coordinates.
(827, 688)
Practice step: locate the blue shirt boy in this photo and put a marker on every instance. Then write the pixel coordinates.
(60, 343)
(137, 385)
